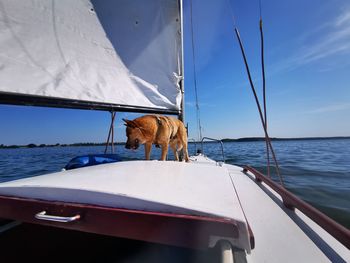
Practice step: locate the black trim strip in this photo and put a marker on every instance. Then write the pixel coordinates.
(29, 100)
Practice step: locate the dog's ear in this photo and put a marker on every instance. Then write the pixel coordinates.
(129, 123)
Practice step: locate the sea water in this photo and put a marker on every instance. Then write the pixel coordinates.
(318, 171)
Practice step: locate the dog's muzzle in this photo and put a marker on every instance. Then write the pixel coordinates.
(132, 146)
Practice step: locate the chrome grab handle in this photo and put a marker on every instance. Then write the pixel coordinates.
(63, 219)
(219, 141)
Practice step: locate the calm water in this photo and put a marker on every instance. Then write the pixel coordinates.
(317, 171)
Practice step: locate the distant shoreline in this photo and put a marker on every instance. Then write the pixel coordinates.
(255, 139)
(33, 145)
(245, 139)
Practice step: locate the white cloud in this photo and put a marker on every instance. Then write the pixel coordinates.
(335, 42)
(330, 39)
(331, 108)
(205, 38)
(344, 18)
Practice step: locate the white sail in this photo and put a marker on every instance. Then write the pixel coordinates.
(113, 54)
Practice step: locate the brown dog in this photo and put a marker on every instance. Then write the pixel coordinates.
(158, 130)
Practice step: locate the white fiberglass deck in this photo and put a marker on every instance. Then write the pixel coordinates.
(282, 235)
(201, 187)
(142, 185)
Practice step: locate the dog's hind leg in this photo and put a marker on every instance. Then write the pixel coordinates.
(173, 144)
(185, 152)
(164, 151)
(182, 142)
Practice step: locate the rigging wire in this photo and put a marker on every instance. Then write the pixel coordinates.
(199, 126)
(260, 12)
(263, 118)
(111, 132)
(264, 86)
(259, 107)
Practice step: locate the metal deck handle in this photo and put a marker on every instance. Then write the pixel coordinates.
(63, 219)
(219, 141)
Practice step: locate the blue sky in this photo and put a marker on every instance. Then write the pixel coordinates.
(307, 52)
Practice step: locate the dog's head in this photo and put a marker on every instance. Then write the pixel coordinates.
(134, 134)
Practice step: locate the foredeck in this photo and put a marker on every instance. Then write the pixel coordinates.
(196, 196)
(174, 187)
(200, 189)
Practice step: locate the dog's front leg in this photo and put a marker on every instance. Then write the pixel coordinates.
(148, 147)
(164, 151)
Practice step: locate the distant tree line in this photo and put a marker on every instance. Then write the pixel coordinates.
(255, 139)
(30, 145)
(246, 139)
(33, 145)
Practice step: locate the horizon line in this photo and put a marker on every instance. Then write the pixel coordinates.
(242, 139)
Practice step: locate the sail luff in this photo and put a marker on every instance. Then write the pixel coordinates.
(181, 64)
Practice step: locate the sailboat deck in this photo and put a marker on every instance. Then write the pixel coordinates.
(174, 187)
(202, 189)
(280, 234)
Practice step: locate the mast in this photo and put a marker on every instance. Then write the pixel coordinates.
(182, 71)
